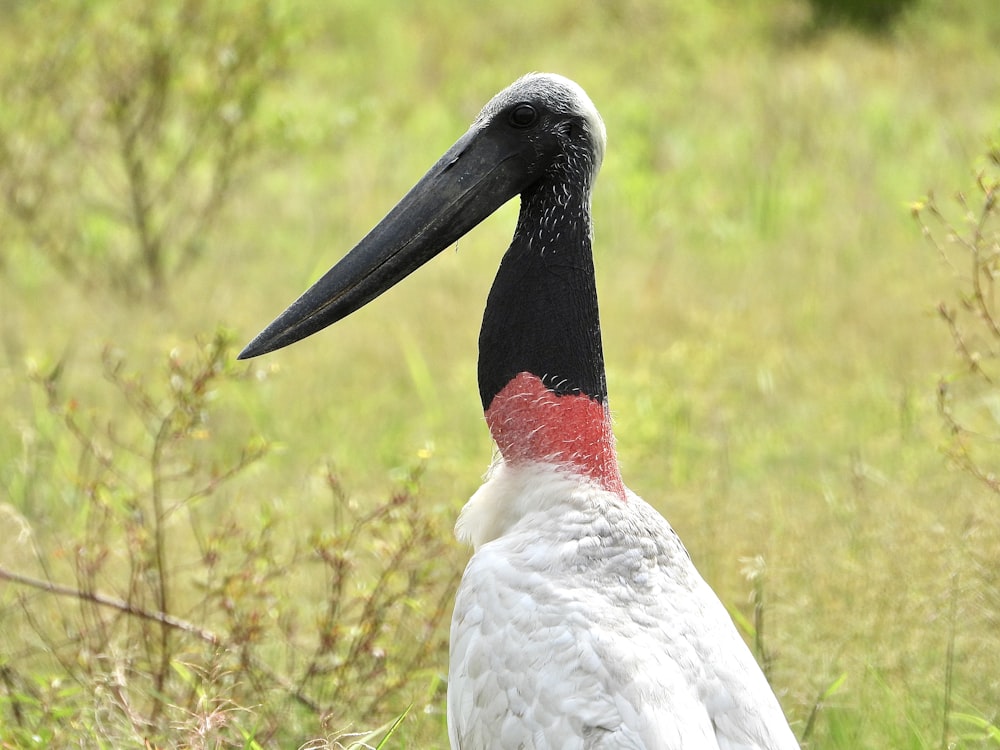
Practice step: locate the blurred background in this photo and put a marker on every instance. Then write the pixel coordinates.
(796, 245)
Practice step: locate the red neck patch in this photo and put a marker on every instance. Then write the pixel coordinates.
(531, 423)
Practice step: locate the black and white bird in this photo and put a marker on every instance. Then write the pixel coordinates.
(580, 621)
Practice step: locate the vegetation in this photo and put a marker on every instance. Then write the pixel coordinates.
(201, 553)
(120, 145)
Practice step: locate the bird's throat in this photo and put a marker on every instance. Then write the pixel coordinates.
(531, 423)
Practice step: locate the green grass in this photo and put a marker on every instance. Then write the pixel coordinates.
(773, 358)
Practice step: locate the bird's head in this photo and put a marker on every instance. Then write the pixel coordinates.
(542, 125)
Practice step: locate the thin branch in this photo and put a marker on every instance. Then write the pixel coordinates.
(162, 618)
(114, 603)
(970, 357)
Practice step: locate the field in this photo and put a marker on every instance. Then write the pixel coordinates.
(197, 552)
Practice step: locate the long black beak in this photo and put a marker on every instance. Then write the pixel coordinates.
(483, 170)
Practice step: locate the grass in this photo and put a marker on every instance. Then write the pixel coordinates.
(773, 348)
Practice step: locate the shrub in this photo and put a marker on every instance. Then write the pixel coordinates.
(123, 129)
(968, 399)
(197, 615)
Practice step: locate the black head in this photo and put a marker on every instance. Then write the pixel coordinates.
(538, 127)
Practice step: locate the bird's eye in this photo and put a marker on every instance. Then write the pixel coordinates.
(523, 116)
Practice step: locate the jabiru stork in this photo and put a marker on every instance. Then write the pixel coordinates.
(580, 621)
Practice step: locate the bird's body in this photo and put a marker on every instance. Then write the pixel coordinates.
(580, 621)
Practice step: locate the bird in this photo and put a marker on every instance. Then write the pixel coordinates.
(580, 621)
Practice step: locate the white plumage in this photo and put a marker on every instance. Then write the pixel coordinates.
(581, 622)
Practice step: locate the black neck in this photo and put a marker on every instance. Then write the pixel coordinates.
(541, 316)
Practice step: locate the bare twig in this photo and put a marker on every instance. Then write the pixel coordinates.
(114, 603)
(162, 618)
